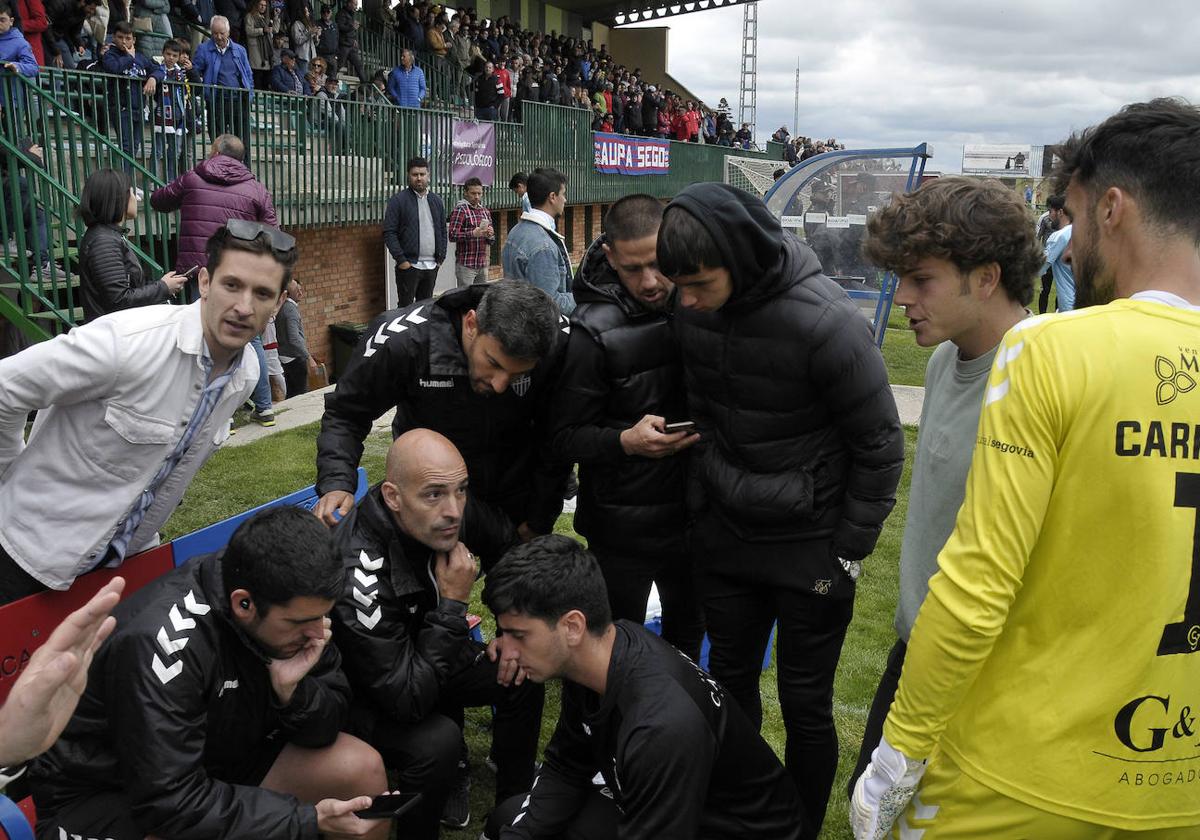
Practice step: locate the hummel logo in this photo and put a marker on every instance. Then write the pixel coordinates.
(395, 327)
(1171, 381)
(566, 324)
(229, 684)
(436, 383)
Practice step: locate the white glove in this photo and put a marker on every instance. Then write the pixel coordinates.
(883, 791)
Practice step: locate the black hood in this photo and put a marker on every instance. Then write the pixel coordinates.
(762, 259)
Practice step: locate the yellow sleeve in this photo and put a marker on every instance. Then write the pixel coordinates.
(982, 564)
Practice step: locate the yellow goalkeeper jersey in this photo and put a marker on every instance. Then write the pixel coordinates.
(1056, 658)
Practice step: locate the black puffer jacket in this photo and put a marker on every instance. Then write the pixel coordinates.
(178, 701)
(800, 434)
(110, 275)
(622, 364)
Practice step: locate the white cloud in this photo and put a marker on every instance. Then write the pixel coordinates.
(898, 72)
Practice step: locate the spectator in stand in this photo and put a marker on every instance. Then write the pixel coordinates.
(63, 38)
(414, 231)
(110, 273)
(780, 135)
(293, 348)
(519, 184)
(743, 137)
(406, 85)
(535, 251)
(101, 387)
(327, 39)
(633, 115)
(16, 55)
(172, 112)
(435, 38)
(222, 63)
(32, 21)
(473, 235)
(489, 93)
(506, 88)
(331, 115)
(286, 77)
(121, 59)
(348, 50)
(258, 44)
(305, 33)
(411, 27)
(664, 120)
(316, 74)
(31, 218)
(460, 45)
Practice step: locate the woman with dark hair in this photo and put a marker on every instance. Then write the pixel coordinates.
(110, 275)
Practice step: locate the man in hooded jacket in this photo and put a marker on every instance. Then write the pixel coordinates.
(622, 382)
(799, 456)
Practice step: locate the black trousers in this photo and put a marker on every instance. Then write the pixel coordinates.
(628, 576)
(1047, 287)
(414, 284)
(295, 377)
(425, 753)
(889, 681)
(596, 819)
(15, 582)
(739, 609)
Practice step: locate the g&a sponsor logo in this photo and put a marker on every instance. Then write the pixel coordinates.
(1161, 736)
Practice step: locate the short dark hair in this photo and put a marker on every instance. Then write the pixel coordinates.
(105, 197)
(223, 241)
(171, 45)
(545, 579)
(966, 221)
(6, 9)
(1147, 149)
(685, 246)
(632, 217)
(230, 145)
(472, 182)
(279, 554)
(1056, 202)
(122, 27)
(542, 182)
(416, 163)
(520, 316)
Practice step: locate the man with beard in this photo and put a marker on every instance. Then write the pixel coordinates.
(475, 365)
(1050, 676)
(214, 710)
(622, 382)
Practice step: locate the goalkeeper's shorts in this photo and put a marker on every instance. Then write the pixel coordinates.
(950, 805)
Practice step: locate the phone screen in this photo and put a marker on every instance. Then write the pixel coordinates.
(389, 806)
(679, 426)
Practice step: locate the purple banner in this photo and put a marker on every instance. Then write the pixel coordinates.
(619, 154)
(474, 147)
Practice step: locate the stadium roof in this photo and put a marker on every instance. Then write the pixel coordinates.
(618, 12)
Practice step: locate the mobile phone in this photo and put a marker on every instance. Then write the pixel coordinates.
(389, 806)
(191, 272)
(679, 426)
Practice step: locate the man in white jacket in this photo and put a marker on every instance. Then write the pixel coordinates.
(129, 407)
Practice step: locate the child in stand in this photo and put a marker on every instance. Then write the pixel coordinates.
(171, 113)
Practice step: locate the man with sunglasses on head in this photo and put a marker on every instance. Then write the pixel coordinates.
(129, 408)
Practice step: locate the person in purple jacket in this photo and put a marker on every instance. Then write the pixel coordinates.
(219, 188)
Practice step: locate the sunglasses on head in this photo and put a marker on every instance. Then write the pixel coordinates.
(249, 231)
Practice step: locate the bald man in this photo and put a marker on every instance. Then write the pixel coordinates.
(402, 629)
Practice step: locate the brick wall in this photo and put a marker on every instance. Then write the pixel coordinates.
(342, 269)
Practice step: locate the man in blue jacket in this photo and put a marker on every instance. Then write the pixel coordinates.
(535, 250)
(224, 63)
(121, 59)
(285, 79)
(406, 84)
(414, 231)
(15, 53)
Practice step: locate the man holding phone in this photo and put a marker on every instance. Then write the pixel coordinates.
(622, 385)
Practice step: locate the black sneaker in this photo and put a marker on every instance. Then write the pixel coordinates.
(456, 813)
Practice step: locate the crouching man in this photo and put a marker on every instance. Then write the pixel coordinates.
(678, 757)
(215, 709)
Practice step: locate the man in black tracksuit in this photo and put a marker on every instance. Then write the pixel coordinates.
(402, 627)
(622, 381)
(215, 707)
(799, 457)
(475, 365)
(678, 757)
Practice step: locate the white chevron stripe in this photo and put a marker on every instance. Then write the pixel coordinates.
(922, 811)
(415, 317)
(178, 621)
(996, 393)
(193, 606)
(369, 564)
(365, 579)
(364, 598)
(170, 646)
(369, 621)
(165, 674)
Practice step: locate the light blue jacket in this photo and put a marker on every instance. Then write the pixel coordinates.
(207, 62)
(535, 253)
(1064, 278)
(407, 87)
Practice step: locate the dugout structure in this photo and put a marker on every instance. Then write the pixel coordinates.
(826, 200)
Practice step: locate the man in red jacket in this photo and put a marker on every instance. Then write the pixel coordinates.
(32, 21)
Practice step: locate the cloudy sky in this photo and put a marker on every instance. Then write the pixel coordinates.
(949, 72)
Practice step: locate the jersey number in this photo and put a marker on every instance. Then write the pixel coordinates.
(1184, 636)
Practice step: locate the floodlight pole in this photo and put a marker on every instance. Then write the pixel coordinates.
(748, 97)
(796, 107)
